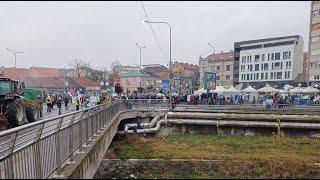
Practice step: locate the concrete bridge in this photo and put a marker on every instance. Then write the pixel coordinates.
(73, 145)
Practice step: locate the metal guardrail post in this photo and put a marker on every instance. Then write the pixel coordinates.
(57, 139)
(71, 140)
(80, 134)
(92, 118)
(38, 165)
(9, 173)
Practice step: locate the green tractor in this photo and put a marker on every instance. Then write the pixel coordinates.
(15, 108)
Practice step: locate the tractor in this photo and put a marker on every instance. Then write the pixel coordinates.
(15, 109)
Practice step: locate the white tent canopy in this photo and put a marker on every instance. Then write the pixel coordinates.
(200, 91)
(295, 90)
(232, 90)
(268, 89)
(249, 89)
(310, 89)
(219, 89)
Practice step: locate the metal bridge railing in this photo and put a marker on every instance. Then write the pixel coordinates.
(40, 149)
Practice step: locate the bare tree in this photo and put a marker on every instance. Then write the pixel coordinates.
(81, 67)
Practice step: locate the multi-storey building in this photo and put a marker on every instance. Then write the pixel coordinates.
(185, 78)
(220, 63)
(276, 61)
(314, 44)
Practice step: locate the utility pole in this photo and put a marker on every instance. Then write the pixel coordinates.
(170, 64)
(140, 47)
(15, 56)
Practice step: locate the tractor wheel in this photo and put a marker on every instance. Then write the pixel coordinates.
(32, 113)
(15, 113)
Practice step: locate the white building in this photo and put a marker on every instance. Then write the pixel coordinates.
(276, 61)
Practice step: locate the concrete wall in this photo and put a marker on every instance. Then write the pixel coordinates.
(88, 161)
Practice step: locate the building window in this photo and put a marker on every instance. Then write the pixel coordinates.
(268, 57)
(218, 78)
(277, 66)
(218, 68)
(277, 56)
(256, 67)
(287, 75)
(266, 65)
(289, 54)
(316, 77)
(256, 58)
(248, 77)
(227, 78)
(315, 39)
(266, 76)
(313, 64)
(263, 57)
(249, 59)
(279, 75)
(288, 64)
(272, 56)
(243, 67)
(271, 75)
(315, 26)
(262, 76)
(228, 68)
(315, 52)
(257, 76)
(316, 14)
(244, 58)
(285, 55)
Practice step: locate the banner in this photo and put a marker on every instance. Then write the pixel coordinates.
(165, 84)
(210, 80)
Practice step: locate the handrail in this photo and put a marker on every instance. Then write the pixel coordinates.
(42, 153)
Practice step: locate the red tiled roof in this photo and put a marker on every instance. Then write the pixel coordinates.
(221, 56)
(20, 73)
(85, 82)
(44, 82)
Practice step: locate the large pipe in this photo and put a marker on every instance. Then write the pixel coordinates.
(143, 125)
(229, 123)
(244, 117)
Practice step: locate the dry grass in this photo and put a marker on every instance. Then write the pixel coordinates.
(245, 157)
(235, 148)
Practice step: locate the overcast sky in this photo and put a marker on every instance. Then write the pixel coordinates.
(54, 33)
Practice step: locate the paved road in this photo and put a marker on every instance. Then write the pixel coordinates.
(55, 112)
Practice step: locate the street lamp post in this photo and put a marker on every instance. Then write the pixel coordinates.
(214, 49)
(170, 63)
(15, 56)
(140, 47)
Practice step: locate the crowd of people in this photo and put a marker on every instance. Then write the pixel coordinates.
(269, 101)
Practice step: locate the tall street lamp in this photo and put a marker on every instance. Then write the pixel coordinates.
(140, 47)
(15, 56)
(170, 64)
(214, 49)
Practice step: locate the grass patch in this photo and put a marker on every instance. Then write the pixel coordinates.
(219, 147)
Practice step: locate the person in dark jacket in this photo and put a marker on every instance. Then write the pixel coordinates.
(59, 104)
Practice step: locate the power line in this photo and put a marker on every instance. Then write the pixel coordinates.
(154, 34)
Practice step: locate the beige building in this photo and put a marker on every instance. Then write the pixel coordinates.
(130, 81)
(221, 64)
(314, 43)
